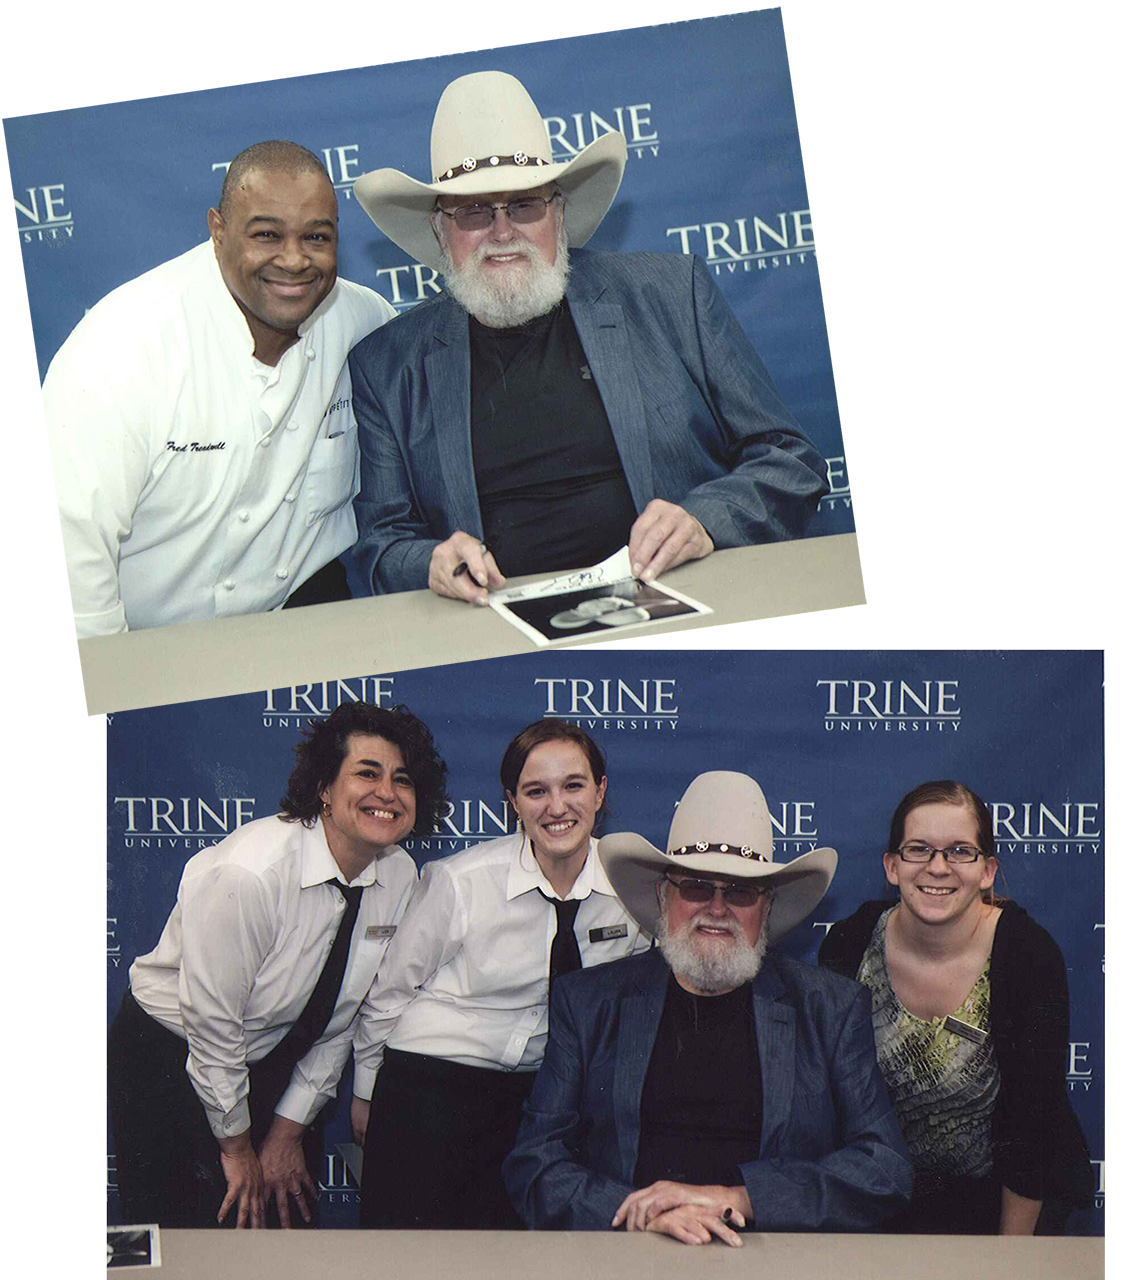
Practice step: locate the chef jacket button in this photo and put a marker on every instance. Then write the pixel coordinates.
(244, 516)
(265, 442)
(283, 574)
(311, 354)
(290, 497)
(229, 585)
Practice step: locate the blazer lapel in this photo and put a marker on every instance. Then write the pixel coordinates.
(639, 1016)
(775, 1040)
(448, 387)
(606, 343)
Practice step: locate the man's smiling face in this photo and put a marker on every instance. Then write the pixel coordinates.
(713, 946)
(508, 272)
(504, 244)
(276, 245)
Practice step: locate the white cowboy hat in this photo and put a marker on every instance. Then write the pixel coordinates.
(489, 136)
(722, 828)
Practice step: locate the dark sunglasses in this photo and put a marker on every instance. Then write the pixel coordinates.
(701, 891)
(477, 217)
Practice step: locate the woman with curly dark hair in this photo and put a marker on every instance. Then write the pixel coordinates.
(971, 1020)
(458, 1022)
(274, 942)
(325, 745)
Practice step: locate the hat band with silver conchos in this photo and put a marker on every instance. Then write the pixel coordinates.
(703, 846)
(519, 158)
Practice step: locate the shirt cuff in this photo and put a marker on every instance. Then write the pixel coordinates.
(230, 1124)
(364, 1081)
(109, 622)
(300, 1105)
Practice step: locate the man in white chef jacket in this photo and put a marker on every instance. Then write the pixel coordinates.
(200, 416)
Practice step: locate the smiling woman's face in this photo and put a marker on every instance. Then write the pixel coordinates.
(557, 799)
(371, 802)
(938, 890)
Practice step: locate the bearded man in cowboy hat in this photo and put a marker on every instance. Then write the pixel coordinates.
(710, 1085)
(554, 404)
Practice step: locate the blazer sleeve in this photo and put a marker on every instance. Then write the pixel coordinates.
(1038, 1145)
(549, 1186)
(394, 542)
(776, 475)
(867, 1177)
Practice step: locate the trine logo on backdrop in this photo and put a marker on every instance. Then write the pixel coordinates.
(342, 163)
(465, 822)
(406, 285)
(891, 706)
(649, 704)
(181, 822)
(44, 217)
(1079, 1075)
(794, 826)
(747, 244)
(569, 135)
(1039, 826)
(291, 706)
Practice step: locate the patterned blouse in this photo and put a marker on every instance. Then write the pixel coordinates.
(943, 1083)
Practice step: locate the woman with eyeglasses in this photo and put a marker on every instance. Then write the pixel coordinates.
(971, 1020)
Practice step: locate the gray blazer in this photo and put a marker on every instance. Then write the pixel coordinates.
(692, 409)
(831, 1154)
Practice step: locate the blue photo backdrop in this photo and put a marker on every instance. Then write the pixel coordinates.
(834, 738)
(714, 168)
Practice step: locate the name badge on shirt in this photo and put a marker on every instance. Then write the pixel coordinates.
(975, 1034)
(607, 933)
(379, 931)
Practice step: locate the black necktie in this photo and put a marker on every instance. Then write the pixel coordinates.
(314, 1018)
(565, 954)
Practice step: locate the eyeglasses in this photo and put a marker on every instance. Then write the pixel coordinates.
(477, 217)
(735, 895)
(918, 851)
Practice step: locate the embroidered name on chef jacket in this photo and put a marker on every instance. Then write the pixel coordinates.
(379, 931)
(195, 446)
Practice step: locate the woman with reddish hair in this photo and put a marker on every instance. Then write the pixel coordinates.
(971, 1020)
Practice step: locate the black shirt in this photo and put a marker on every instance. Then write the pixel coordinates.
(550, 482)
(702, 1100)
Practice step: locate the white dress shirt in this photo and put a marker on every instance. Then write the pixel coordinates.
(466, 977)
(254, 920)
(194, 481)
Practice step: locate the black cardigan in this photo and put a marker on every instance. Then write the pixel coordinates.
(1038, 1147)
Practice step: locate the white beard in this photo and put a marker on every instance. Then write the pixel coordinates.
(506, 298)
(708, 968)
